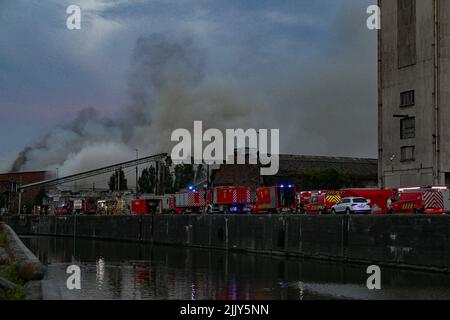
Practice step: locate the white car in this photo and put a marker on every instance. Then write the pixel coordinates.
(352, 205)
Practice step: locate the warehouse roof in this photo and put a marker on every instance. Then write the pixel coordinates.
(294, 165)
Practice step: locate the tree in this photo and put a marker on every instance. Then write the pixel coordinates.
(168, 186)
(184, 176)
(147, 180)
(39, 198)
(323, 179)
(118, 175)
(200, 174)
(3, 200)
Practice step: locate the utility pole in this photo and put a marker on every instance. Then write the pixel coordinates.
(158, 179)
(19, 209)
(118, 174)
(208, 182)
(137, 185)
(117, 180)
(8, 207)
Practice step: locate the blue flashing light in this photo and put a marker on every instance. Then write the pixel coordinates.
(191, 188)
(290, 186)
(282, 186)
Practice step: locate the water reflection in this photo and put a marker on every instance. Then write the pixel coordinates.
(116, 270)
(100, 271)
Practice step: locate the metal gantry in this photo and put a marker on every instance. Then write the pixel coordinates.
(91, 173)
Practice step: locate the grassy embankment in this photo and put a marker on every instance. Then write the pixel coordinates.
(9, 272)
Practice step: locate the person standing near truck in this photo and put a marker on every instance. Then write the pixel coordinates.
(389, 203)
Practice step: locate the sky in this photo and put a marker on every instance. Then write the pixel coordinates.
(77, 99)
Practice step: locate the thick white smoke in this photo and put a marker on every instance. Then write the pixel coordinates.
(167, 89)
(324, 106)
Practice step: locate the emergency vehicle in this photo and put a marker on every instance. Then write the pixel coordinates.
(231, 200)
(220, 199)
(151, 205)
(303, 198)
(321, 202)
(276, 199)
(62, 209)
(377, 198)
(86, 206)
(421, 200)
(190, 201)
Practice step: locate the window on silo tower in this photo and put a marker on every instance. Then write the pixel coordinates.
(447, 178)
(406, 37)
(408, 128)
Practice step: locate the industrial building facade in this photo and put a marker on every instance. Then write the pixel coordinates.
(414, 92)
(8, 188)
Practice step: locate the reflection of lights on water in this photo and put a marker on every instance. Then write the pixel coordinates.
(233, 288)
(193, 291)
(301, 290)
(100, 271)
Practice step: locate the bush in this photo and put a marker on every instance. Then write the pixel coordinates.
(11, 273)
(2, 239)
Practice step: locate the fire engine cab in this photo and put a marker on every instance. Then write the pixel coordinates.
(321, 202)
(421, 200)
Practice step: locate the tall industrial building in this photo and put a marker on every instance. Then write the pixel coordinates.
(414, 92)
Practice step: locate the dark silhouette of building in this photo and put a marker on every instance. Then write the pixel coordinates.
(9, 183)
(293, 170)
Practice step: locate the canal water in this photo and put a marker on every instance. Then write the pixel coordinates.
(118, 270)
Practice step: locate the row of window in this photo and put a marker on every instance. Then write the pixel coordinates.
(406, 19)
(407, 126)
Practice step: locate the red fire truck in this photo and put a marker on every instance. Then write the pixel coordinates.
(218, 200)
(303, 198)
(190, 201)
(321, 202)
(421, 200)
(276, 199)
(62, 209)
(151, 205)
(90, 206)
(231, 200)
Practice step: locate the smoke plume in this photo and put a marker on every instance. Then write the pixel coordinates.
(325, 105)
(167, 90)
